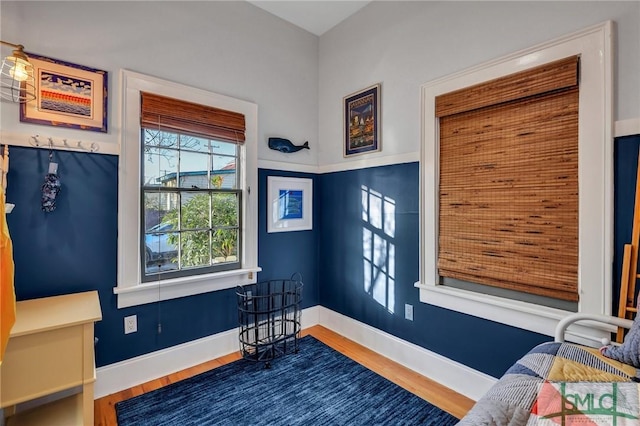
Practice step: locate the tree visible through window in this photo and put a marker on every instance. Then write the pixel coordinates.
(190, 193)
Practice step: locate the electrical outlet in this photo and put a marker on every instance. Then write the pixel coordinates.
(130, 324)
(408, 312)
(249, 298)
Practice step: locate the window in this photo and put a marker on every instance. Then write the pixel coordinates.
(594, 206)
(191, 197)
(508, 191)
(191, 204)
(187, 215)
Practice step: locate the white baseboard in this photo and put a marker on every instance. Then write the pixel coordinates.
(458, 377)
(125, 374)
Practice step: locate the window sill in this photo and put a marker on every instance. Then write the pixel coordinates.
(527, 316)
(140, 294)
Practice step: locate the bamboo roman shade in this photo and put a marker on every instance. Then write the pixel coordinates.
(174, 115)
(509, 182)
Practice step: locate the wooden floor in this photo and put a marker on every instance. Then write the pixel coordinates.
(448, 400)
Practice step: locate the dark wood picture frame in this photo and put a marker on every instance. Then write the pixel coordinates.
(67, 95)
(362, 121)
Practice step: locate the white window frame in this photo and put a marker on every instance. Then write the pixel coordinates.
(130, 289)
(595, 174)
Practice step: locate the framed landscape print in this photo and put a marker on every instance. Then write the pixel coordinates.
(67, 95)
(362, 121)
(289, 204)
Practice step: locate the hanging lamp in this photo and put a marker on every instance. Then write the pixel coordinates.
(17, 81)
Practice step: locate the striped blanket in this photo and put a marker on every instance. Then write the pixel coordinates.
(561, 384)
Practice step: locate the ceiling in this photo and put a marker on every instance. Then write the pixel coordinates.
(317, 17)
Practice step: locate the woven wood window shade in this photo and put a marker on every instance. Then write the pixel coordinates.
(509, 182)
(174, 115)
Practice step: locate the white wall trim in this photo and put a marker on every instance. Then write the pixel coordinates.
(622, 128)
(125, 374)
(627, 127)
(374, 161)
(458, 377)
(181, 287)
(27, 141)
(288, 167)
(362, 163)
(539, 319)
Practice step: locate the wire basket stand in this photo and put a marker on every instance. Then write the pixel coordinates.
(269, 317)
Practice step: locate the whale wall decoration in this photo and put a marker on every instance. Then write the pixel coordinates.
(285, 145)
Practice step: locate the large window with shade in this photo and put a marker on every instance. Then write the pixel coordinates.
(187, 191)
(516, 184)
(190, 192)
(508, 193)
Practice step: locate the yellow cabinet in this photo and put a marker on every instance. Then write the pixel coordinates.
(51, 350)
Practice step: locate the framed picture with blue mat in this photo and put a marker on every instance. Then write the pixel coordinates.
(316, 386)
(289, 204)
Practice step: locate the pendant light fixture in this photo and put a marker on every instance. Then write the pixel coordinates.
(17, 82)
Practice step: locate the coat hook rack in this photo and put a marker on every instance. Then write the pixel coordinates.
(64, 145)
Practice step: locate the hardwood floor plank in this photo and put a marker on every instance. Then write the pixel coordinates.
(445, 398)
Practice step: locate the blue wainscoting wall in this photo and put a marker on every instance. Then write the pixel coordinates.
(74, 249)
(346, 264)
(625, 167)
(361, 259)
(283, 253)
(374, 290)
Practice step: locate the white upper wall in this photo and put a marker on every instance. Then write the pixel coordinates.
(406, 44)
(298, 80)
(231, 48)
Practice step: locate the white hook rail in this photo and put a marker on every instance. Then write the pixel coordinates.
(39, 142)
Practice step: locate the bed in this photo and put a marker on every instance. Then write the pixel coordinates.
(561, 383)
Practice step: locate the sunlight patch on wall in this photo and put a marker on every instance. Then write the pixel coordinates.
(378, 248)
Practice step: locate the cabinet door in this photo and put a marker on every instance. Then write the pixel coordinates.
(41, 363)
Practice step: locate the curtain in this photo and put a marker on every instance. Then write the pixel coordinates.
(7, 293)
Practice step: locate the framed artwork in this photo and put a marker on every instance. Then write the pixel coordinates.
(362, 121)
(289, 204)
(67, 95)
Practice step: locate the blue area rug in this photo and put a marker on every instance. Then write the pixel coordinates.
(317, 386)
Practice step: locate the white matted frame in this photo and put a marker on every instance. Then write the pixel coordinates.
(289, 204)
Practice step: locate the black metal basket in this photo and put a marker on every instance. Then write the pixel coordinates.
(269, 317)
